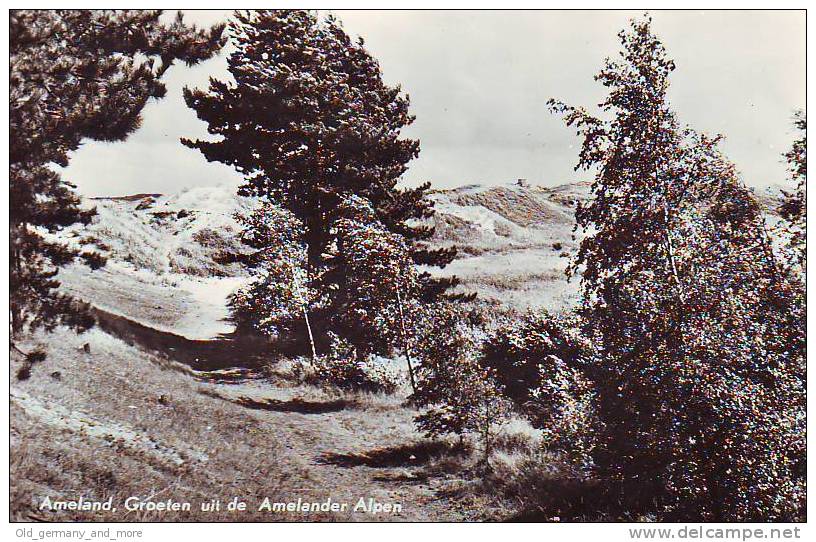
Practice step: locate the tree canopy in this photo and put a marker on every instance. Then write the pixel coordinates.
(696, 364)
(310, 123)
(75, 75)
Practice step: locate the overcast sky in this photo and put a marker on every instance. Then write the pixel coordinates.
(479, 80)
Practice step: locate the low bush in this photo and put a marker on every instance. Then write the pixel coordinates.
(537, 359)
(460, 396)
(344, 369)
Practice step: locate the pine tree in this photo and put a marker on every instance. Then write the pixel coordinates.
(309, 122)
(697, 362)
(75, 75)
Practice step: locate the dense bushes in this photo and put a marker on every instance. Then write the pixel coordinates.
(279, 301)
(459, 394)
(379, 283)
(537, 360)
(344, 368)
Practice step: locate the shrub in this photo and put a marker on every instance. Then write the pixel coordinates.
(210, 238)
(344, 369)
(37, 355)
(538, 364)
(461, 395)
(280, 299)
(146, 203)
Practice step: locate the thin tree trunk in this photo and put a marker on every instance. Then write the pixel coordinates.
(15, 322)
(670, 250)
(303, 291)
(680, 312)
(664, 187)
(405, 341)
(311, 337)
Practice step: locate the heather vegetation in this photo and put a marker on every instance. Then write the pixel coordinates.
(675, 390)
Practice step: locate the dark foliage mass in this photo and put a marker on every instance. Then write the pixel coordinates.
(310, 123)
(538, 362)
(698, 369)
(520, 351)
(75, 75)
(794, 206)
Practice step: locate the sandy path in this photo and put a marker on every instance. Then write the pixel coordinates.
(356, 452)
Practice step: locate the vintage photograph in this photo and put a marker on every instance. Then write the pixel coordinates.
(288, 265)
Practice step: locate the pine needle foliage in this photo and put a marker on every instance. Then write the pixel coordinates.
(309, 122)
(75, 75)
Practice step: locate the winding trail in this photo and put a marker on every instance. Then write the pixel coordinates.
(350, 451)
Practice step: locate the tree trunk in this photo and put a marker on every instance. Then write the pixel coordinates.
(311, 337)
(303, 292)
(14, 307)
(405, 341)
(767, 247)
(15, 321)
(679, 314)
(670, 250)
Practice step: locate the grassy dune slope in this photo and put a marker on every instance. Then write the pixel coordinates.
(120, 421)
(514, 242)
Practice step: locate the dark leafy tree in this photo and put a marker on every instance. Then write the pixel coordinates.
(279, 298)
(697, 367)
(380, 284)
(537, 360)
(794, 206)
(309, 122)
(74, 75)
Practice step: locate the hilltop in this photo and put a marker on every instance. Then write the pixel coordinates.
(513, 241)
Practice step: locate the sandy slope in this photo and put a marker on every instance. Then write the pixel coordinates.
(120, 421)
(513, 241)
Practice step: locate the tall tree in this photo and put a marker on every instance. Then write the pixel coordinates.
(75, 75)
(697, 364)
(310, 122)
